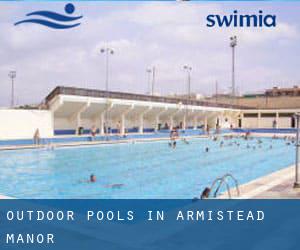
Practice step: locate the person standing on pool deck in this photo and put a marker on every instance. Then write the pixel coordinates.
(36, 137)
(119, 127)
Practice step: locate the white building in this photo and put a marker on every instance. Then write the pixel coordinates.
(70, 109)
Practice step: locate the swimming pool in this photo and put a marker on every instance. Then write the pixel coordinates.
(147, 170)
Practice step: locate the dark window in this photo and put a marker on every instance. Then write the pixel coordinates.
(250, 115)
(293, 122)
(286, 115)
(268, 115)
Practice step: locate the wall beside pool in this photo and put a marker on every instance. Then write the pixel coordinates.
(16, 123)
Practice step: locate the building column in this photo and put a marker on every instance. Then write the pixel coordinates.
(123, 120)
(157, 118)
(277, 119)
(171, 122)
(195, 122)
(156, 122)
(101, 128)
(242, 119)
(258, 119)
(78, 122)
(77, 116)
(141, 124)
(141, 119)
(184, 122)
(205, 123)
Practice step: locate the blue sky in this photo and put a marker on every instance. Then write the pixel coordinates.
(167, 35)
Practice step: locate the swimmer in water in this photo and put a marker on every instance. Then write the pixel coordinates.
(205, 193)
(117, 185)
(207, 149)
(185, 141)
(174, 144)
(92, 178)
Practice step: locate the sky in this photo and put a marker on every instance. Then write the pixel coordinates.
(144, 34)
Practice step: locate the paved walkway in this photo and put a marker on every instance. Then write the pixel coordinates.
(278, 185)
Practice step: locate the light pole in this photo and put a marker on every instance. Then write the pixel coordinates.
(153, 72)
(12, 75)
(149, 72)
(188, 69)
(297, 182)
(233, 44)
(107, 51)
(217, 91)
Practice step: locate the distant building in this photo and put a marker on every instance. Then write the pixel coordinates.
(193, 96)
(274, 92)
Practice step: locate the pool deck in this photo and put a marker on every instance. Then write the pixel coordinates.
(98, 142)
(130, 140)
(277, 185)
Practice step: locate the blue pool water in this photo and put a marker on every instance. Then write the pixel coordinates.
(147, 170)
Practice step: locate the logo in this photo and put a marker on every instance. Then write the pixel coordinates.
(238, 20)
(53, 20)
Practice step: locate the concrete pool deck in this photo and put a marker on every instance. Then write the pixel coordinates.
(130, 140)
(277, 185)
(102, 142)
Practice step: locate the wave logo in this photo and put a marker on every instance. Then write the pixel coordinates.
(53, 20)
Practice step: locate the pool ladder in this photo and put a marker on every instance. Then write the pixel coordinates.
(223, 180)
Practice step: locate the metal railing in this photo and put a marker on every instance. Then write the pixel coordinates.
(130, 96)
(220, 182)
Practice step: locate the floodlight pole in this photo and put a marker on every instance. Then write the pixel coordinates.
(149, 72)
(297, 182)
(233, 44)
(153, 79)
(188, 69)
(12, 75)
(107, 51)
